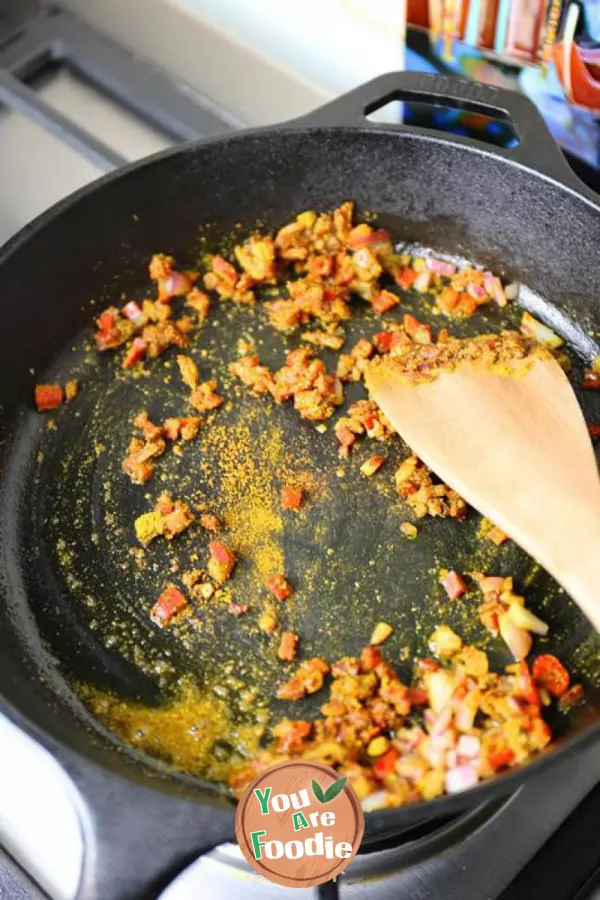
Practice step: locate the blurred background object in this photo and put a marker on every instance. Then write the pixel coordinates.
(548, 49)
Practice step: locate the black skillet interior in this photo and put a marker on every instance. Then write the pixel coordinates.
(68, 579)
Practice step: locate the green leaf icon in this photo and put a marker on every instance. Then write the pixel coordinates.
(334, 789)
(318, 792)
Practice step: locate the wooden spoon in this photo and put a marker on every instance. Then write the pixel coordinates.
(518, 450)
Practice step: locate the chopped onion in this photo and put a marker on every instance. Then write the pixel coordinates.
(411, 767)
(363, 289)
(440, 687)
(476, 291)
(540, 332)
(338, 390)
(175, 285)
(494, 288)
(499, 295)
(436, 746)
(133, 312)
(492, 583)
(362, 258)
(374, 801)
(460, 778)
(469, 746)
(517, 639)
(444, 642)
(511, 291)
(416, 735)
(440, 724)
(524, 618)
(422, 282)
(435, 756)
(464, 715)
(441, 267)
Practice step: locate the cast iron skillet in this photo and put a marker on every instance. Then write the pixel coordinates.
(519, 212)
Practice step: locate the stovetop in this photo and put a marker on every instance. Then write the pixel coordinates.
(75, 105)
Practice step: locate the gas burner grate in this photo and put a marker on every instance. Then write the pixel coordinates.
(34, 37)
(423, 840)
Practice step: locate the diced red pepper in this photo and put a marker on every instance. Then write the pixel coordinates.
(426, 665)
(108, 336)
(48, 396)
(549, 673)
(590, 380)
(219, 552)
(384, 301)
(453, 585)
(526, 688)
(386, 763)
(361, 238)
(594, 430)
(370, 657)
(222, 561)
(466, 305)
(136, 352)
(406, 278)
(497, 759)
(106, 320)
(331, 293)
(383, 341)
(279, 587)
(447, 299)
(345, 436)
(417, 696)
(372, 464)
(169, 604)
(291, 497)
(420, 332)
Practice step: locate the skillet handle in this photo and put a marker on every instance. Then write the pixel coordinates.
(136, 839)
(537, 149)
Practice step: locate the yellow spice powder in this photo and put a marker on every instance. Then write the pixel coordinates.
(182, 732)
(246, 471)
